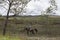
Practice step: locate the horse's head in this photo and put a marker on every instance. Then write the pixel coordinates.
(27, 29)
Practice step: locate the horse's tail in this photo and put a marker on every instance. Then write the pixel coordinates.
(36, 30)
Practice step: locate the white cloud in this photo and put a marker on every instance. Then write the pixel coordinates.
(36, 7)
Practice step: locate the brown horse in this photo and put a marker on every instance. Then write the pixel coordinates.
(31, 30)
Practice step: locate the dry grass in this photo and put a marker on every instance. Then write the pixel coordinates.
(46, 31)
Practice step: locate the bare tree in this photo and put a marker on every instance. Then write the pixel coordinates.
(16, 9)
(51, 10)
(53, 7)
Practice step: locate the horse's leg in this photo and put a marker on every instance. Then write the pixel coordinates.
(32, 31)
(27, 33)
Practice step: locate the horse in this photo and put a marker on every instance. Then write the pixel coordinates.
(31, 30)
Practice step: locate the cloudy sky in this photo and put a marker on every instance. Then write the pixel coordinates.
(35, 7)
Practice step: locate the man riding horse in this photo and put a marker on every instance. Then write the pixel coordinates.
(31, 30)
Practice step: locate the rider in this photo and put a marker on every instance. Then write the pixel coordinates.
(29, 27)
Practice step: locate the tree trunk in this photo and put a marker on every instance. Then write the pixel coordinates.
(6, 22)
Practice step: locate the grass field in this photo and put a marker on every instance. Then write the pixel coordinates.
(47, 28)
(28, 38)
(9, 38)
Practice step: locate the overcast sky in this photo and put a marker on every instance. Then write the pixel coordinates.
(35, 7)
